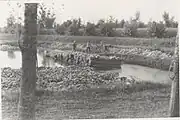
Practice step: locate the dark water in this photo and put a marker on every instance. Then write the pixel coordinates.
(13, 59)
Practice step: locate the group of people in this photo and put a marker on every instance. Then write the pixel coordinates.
(78, 60)
(88, 47)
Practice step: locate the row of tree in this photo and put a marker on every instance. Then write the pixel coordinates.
(103, 27)
(109, 27)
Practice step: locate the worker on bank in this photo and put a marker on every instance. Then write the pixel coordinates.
(72, 58)
(106, 48)
(88, 49)
(102, 46)
(61, 57)
(78, 60)
(74, 46)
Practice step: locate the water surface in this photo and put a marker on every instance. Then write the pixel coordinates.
(13, 59)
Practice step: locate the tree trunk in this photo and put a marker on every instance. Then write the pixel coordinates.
(29, 51)
(174, 102)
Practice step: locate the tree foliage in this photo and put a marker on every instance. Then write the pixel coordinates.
(60, 29)
(130, 28)
(107, 29)
(121, 24)
(90, 29)
(11, 24)
(47, 17)
(169, 22)
(11, 21)
(73, 29)
(156, 29)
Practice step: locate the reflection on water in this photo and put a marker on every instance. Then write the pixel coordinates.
(13, 59)
(145, 73)
(48, 62)
(11, 54)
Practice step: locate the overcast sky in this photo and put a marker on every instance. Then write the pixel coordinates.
(93, 10)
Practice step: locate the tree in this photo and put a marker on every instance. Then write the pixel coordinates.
(11, 21)
(156, 29)
(169, 22)
(74, 28)
(49, 22)
(67, 23)
(100, 22)
(132, 26)
(47, 17)
(29, 56)
(174, 102)
(90, 29)
(79, 23)
(166, 19)
(137, 16)
(11, 24)
(121, 24)
(60, 29)
(107, 29)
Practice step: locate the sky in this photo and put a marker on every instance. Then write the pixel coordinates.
(93, 10)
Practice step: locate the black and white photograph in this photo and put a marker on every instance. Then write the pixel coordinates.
(89, 59)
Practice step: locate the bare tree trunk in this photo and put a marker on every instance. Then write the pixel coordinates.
(174, 102)
(29, 51)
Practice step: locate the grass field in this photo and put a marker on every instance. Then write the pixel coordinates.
(126, 41)
(141, 101)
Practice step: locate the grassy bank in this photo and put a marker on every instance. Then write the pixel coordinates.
(96, 104)
(127, 41)
(165, 42)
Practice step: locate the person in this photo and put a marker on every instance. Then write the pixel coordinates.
(78, 60)
(102, 46)
(72, 58)
(88, 49)
(61, 56)
(106, 48)
(74, 46)
(56, 57)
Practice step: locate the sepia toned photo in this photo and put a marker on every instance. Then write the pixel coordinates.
(89, 59)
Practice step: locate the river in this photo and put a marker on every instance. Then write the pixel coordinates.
(13, 59)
